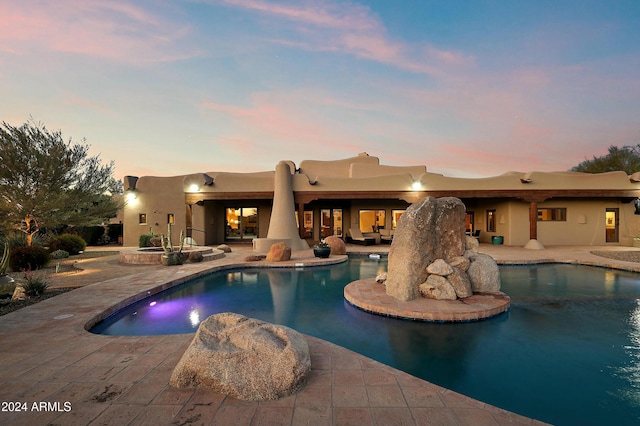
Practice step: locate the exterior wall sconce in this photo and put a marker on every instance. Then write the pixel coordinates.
(130, 188)
(416, 185)
(130, 183)
(195, 183)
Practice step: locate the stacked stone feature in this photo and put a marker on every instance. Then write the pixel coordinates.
(431, 256)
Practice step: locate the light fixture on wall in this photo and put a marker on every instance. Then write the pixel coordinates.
(501, 221)
(130, 188)
(130, 183)
(197, 182)
(582, 219)
(416, 185)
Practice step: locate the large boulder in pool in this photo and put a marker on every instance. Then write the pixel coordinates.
(484, 274)
(432, 228)
(244, 357)
(431, 256)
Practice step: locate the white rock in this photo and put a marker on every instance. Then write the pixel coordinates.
(437, 287)
(440, 267)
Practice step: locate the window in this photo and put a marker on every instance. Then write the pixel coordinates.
(395, 216)
(142, 218)
(371, 220)
(552, 214)
(491, 221)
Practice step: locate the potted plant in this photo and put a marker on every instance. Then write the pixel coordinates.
(322, 249)
(170, 256)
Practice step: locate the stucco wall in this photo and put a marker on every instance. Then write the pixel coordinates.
(156, 197)
(159, 196)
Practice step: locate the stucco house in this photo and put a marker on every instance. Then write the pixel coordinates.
(359, 193)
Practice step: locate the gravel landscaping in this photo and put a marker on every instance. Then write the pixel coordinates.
(625, 255)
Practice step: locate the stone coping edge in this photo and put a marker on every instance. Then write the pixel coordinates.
(370, 296)
(596, 264)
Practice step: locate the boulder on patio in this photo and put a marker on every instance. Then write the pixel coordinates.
(249, 359)
(338, 247)
(279, 252)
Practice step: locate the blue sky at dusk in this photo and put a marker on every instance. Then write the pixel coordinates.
(468, 88)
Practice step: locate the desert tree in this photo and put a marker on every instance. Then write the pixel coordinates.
(626, 159)
(46, 181)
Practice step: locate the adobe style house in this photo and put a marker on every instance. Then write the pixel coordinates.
(359, 193)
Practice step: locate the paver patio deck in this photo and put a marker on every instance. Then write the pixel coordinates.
(48, 357)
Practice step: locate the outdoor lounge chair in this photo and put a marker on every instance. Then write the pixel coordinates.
(356, 237)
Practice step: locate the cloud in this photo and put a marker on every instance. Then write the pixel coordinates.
(114, 30)
(354, 30)
(290, 119)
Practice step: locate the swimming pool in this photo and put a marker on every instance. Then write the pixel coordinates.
(568, 351)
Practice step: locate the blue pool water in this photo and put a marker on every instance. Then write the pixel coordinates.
(567, 352)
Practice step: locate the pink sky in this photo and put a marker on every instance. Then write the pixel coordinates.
(173, 87)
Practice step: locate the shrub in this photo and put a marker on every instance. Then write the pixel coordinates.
(19, 239)
(103, 240)
(28, 258)
(60, 254)
(145, 240)
(72, 244)
(34, 286)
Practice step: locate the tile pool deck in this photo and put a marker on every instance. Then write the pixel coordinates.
(49, 359)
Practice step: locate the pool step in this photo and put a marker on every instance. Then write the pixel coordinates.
(213, 255)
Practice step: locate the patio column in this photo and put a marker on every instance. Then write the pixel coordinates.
(533, 220)
(533, 242)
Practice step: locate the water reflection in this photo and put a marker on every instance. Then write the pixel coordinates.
(631, 371)
(283, 285)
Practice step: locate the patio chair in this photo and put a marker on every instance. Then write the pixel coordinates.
(356, 237)
(476, 234)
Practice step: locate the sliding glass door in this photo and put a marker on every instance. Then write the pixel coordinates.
(241, 223)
